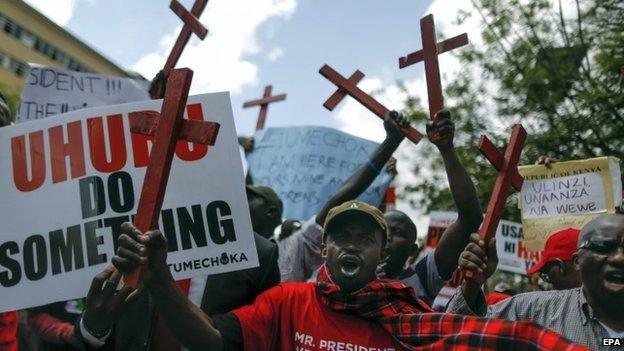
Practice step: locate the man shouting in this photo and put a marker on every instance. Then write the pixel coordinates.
(346, 308)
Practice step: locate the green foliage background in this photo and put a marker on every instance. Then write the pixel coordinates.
(559, 75)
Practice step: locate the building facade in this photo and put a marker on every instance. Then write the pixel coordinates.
(26, 36)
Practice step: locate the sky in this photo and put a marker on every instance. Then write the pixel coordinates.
(252, 43)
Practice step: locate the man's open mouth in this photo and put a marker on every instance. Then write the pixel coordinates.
(614, 280)
(350, 265)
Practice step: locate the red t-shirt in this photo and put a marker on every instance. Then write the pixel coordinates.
(8, 331)
(291, 316)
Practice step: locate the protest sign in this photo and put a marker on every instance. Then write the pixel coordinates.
(569, 194)
(50, 91)
(72, 180)
(438, 222)
(513, 255)
(307, 165)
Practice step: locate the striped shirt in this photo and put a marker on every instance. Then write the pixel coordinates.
(564, 311)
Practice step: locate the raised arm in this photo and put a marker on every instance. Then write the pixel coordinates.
(441, 133)
(481, 260)
(366, 174)
(192, 327)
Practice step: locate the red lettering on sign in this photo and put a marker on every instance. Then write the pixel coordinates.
(183, 150)
(525, 254)
(140, 149)
(116, 142)
(59, 150)
(108, 153)
(20, 162)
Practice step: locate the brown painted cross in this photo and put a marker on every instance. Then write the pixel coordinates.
(264, 105)
(508, 177)
(167, 128)
(429, 54)
(349, 86)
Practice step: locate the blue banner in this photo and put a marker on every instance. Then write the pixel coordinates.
(307, 165)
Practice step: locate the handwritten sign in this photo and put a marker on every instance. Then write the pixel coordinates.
(50, 91)
(567, 195)
(307, 165)
(72, 180)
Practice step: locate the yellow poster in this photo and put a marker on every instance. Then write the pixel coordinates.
(568, 194)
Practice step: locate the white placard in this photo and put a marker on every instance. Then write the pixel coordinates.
(50, 91)
(577, 194)
(70, 181)
(513, 255)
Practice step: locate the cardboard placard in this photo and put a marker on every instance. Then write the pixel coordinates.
(569, 194)
(50, 91)
(72, 180)
(307, 165)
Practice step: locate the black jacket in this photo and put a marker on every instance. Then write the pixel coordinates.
(224, 292)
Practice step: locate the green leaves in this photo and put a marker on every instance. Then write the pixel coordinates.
(558, 74)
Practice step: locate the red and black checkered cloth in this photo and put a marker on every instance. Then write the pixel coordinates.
(410, 321)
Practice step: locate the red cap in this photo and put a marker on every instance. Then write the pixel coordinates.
(561, 244)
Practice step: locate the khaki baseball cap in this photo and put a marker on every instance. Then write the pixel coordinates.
(357, 206)
(267, 194)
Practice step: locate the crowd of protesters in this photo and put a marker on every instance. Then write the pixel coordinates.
(345, 279)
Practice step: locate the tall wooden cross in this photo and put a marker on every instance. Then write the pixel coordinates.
(264, 105)
(191, 25)
(429, 54)
(508, 177)
(167, 128)
(349, 87)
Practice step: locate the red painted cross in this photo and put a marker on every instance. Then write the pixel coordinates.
(264, 105)
(349, 87)
(168, 129)
(429, 54)
(191, 25)
(508, 177)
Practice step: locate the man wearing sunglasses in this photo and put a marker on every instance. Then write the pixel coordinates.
(586, 314)
(556, 265)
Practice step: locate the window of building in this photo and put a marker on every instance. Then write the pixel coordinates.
(19, 68)
(28, 39)
(9, 26)
(35, 42)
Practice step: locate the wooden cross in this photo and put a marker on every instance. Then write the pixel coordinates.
(191, 25)
(349, 87)
(264, 105)
(508, 176)
(429, 54)
(167, 128)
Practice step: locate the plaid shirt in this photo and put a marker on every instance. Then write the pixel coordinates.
(564, 311)
(412, 324)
